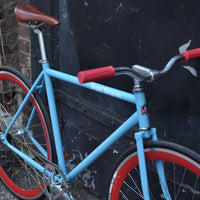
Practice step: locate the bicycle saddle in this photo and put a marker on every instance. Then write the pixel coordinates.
(32, 13)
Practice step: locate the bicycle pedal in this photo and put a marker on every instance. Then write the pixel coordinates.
(68, 156)
(58, 193)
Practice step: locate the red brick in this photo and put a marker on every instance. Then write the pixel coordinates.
(24, 31)
(24, 46)
(24, 60)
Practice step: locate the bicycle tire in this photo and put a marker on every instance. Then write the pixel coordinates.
(182, 171)
(21, 179)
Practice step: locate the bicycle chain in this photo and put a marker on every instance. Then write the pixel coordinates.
(50, 180)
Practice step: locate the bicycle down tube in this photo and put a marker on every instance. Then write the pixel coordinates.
(122, 130)
(140, 117)
(71, 79)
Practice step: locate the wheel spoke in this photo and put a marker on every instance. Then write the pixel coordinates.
(140, 193)
(124, 196)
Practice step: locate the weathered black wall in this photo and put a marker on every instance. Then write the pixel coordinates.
(124, 32)
(147, 33)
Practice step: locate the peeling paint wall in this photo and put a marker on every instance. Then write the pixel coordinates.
(123, 33)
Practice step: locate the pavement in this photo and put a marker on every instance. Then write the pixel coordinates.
(79, 192)
(5, 194)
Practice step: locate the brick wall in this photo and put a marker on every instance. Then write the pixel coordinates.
(24, 45)
(24, 49)
(16, 38)
(9, 32)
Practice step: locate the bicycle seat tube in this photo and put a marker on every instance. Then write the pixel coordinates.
(51, 102)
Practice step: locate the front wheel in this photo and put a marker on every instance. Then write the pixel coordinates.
(182, 171)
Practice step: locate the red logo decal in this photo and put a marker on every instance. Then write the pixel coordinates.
(144, 109)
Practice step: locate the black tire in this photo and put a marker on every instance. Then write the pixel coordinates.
(20, 178)
(182, 170)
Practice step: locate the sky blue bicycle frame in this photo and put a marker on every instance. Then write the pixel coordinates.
(139, 117)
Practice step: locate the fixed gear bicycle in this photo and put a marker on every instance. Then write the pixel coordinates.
(32, 160)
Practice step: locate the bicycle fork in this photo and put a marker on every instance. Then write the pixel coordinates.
(144, 133)
(139, 136)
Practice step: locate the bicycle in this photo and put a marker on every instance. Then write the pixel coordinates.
(31, 142)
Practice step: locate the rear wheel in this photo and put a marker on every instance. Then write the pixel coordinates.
(30, 134)
(182, 170)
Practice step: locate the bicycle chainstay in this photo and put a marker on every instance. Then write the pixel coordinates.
(63, 187)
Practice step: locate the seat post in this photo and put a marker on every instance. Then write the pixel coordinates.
(42, 46)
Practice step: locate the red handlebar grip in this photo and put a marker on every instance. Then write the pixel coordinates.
(96, 74)
(191, 54)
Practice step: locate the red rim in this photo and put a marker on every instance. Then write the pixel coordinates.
(11, 185)
(150, 156)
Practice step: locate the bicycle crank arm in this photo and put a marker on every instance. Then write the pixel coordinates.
(58, 192)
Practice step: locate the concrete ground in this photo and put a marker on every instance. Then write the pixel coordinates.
(5, 194)
(79, 193)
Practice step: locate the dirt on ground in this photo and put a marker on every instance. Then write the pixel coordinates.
(79, 193)
(5, 194)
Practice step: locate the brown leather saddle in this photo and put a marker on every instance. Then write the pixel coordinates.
(31, 13)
